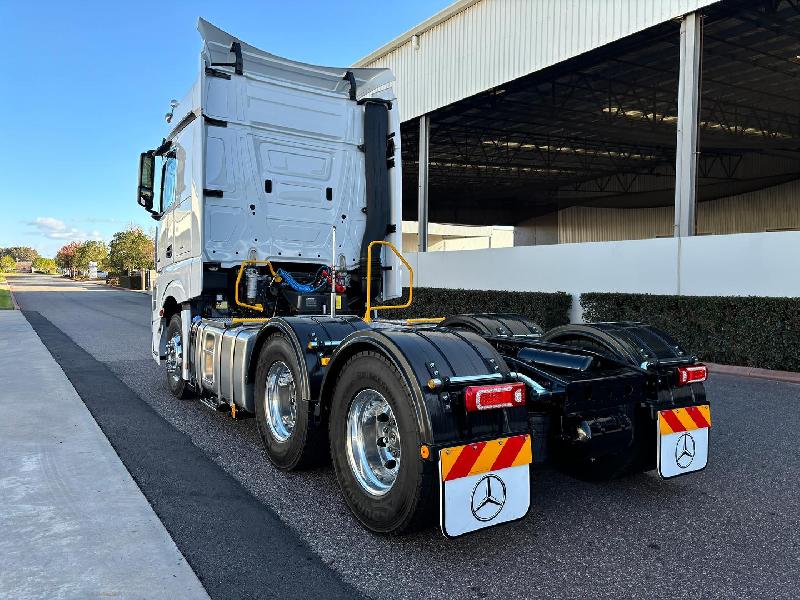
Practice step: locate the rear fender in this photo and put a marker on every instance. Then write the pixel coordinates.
(422, 354)
(491, 324)
(300, 331)
(642, 346)
(635, 343)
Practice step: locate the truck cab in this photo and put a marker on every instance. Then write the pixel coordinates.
(270, 160)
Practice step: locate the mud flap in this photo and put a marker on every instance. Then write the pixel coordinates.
(484, 484)
(682, 445)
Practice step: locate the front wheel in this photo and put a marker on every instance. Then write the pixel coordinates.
(176, 354)
(282, 411)
(375, 446)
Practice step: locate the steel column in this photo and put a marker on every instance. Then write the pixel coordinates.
(422, 188)
(691, 49)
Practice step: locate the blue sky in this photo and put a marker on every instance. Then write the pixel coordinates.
(86, 85)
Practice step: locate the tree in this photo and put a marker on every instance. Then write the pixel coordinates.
(65, 257)
(45, 265)
(90, 251)
(20, 253)
(7, 264)
(130, 250)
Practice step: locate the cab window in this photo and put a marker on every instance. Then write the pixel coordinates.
(168, 178)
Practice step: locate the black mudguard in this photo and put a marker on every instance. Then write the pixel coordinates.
(642, 346)
(423, 354)
(652, 351)
(490, 324)
(634, 343)
(300, 331)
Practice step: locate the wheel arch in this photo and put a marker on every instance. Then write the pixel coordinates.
(300, 331)
(642, 346)
(424, 354)
(280, 327)
(493, 324)
(171, 307)
(633, 342)
(371, 340)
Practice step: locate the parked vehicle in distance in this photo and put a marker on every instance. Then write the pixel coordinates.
(279, 212)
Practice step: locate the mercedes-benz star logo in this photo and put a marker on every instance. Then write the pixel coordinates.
(684, 450)
(488, 498)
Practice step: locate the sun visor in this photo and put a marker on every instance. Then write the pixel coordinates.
(218, 49)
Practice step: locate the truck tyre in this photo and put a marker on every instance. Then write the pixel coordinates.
(375, 447)
(282, 413)
(176, 354)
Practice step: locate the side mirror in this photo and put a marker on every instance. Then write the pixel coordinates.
(147, 163)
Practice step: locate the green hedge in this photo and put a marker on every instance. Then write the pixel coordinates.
(546, 309)
(748, 331)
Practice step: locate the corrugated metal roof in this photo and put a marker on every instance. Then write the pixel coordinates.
(475, 45)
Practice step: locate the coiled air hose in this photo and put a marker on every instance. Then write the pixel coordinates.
(303, 288)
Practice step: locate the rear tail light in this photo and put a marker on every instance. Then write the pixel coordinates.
(693, 374)
(488, 397)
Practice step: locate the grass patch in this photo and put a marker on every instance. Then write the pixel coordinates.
(5, 299)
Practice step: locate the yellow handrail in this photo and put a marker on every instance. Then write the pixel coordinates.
(370, 308)
(256, 307)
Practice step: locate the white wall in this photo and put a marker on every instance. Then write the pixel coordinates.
(749, 264)
(768, 209)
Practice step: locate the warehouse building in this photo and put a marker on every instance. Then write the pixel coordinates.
(589, 124)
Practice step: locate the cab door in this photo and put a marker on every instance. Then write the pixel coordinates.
(182, 221)
(165, 254)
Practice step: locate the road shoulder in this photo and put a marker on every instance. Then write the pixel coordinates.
(238, 546)
(74, 522)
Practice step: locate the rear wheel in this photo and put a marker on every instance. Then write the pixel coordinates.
(375, 443)
(176, 349)
(282, 411)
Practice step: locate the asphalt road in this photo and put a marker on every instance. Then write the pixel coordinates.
(732, 530)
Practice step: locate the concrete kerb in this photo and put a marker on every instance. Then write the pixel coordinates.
(784, 376)
(67, 496)
(13, 299)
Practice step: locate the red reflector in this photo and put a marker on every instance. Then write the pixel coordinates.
(487, 397)
(161, 313)
(693, 374)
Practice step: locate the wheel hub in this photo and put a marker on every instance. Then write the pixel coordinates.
(174, 362)
(373, 442)
(280, 400)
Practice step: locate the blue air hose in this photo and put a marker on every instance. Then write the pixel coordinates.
(303, 288)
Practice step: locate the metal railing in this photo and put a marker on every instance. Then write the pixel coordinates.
(370, 308)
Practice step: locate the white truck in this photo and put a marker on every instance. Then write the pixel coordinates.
(277, 196)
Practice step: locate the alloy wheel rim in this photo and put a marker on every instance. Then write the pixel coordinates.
(280, 400)
(373, 442)
(174, 361)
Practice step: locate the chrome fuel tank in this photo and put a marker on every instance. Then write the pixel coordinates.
(222, 357)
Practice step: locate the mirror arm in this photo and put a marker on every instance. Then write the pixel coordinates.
(165, 147)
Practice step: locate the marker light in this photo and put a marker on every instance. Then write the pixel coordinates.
(488, 397)
(693, 374)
